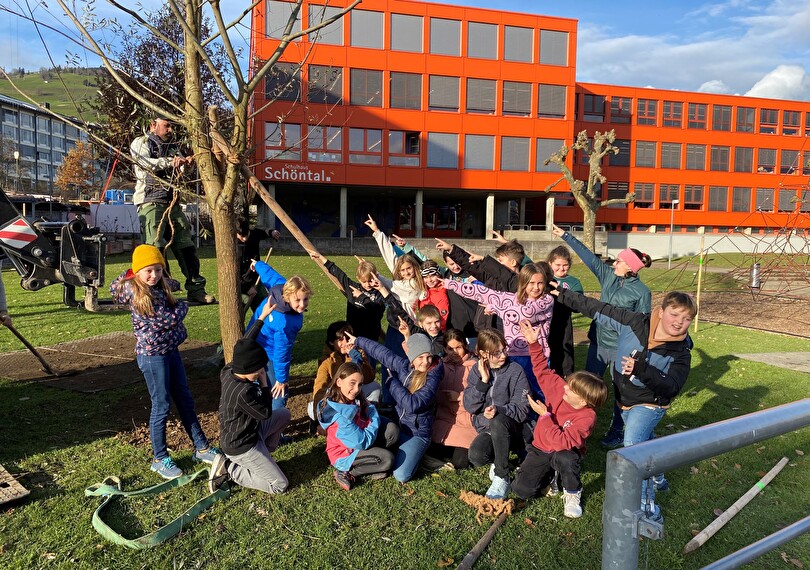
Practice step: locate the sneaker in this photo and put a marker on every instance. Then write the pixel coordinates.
(344, 479)
(207, 455)
(660, 482)
(492, 472)
(166, 468)
(284, 440)
(378, 476)
(554, 486)
(432, 465)
(573, 509)
(499, 489)
(201, 298)
(218, 474)
(612, 439)
(653, 514)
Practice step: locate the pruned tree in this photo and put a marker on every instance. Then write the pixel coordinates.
(588, 194)
(221, 155)
(75, 175)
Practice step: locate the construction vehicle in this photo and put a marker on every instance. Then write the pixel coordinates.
(48, 253)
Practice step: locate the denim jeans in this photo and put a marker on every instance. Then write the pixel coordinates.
(639, 425)
(278, 403)
(166, 380)
(393, 342)
(598, 360)
(407, 459)
(526, 363)
(493, 446)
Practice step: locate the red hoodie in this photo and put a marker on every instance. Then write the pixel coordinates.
(437, 296)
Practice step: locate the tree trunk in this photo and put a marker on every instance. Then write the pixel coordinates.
(230, 304)
(589, 228)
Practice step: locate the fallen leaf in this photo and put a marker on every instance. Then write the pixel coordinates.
(760, 449)
(796, 563)
(694, 532)
(670, 426)
(799, 452)
(718, 512)
(48, 556)
(761, 474)
(409, 492)
(440, 494)
(737, 466)
(714, 463)
(528, 522)
(445, 562)
(694, 470)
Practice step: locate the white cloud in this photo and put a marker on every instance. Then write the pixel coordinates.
(714, 86)
(784, 82)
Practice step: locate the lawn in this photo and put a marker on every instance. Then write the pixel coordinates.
(60, 442)
(81, 88)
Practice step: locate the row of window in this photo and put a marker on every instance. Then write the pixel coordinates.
(692, 115)
(27, 122)
(720, 158)
(408, 34)
(325, 84)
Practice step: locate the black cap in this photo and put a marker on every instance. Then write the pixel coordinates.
(248, 356)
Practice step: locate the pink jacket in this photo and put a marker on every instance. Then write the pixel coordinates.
(453, 425)
(506, 306)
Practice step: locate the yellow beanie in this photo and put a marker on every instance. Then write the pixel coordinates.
(146, 255)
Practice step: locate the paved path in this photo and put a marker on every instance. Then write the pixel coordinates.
(799, 361)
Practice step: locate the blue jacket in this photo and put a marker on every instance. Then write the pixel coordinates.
(343, 443)
(281, 326)
(416, 411)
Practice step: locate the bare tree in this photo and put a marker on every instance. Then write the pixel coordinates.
(588, 194)
(221, 157)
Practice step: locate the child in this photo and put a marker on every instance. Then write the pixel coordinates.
(157, 318)
(652, 364)
(249, 244)
(429, 323)
(495, 397)
(357, 438)
(250, 427)
(453, 432)
(412, 384)
(561, 333)
(565, 421)
(531, 301)
(291, 299)
(341, 353)
(435, 293)
(499, 273)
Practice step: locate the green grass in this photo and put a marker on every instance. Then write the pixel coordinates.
(62, 443)
(54, 91)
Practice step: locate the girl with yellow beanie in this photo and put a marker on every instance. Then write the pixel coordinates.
(157, 318)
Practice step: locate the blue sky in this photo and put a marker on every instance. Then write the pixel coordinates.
(753, 47)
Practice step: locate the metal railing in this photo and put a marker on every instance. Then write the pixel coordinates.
(623, 520)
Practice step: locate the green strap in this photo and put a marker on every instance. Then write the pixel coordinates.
(110, 488)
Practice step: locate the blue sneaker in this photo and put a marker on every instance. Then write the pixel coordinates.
(612, 439)
(660, 482)
(166, 468)
(653, 514)
(207, 455)
(499, 489)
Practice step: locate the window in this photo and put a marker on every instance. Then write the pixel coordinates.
(57, 143)
(767, 121)
(331, 34)
(25, 136)
(406, 33)
(283, 83)
(807, 124)
(718, 198)
(479, 152)
(790, 122)
(693, 197)
(482, 40)
(697, 116)
(43, 123)
(790, 162)
(366, 87)
(645, 154)
(545, 148)
(719, 158)
(563, 200)
(43, 140)
(403, 148)
(325, 84)
(644, 194)
(804, 204)
(282, 141)
(721, 118)
(278, 14)
(27, 121)
(673, 113)
(695, 157)
(481, 95)
(443, 95)
(406, 90)
(743, 159)
(442, 150)
(745, 119)
(515, 154)
(764, 200)
(623, 157)
(806, 163)
(57, 128)
(366, 29)
(445, 37)
(617, 191)
(518, 44)
(553, 47)
(740, 199)
(620, 109)
(787, 200)
(365, 146)
(646, 112)
(517, 98)
(594, 108)
(551, 101)
(667, 194)
(325, 144)
(71, 132)
(766, 160)
(670, 155)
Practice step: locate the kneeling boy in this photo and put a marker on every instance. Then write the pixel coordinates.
(566, 420)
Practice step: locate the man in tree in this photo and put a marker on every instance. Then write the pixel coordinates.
(158, 165)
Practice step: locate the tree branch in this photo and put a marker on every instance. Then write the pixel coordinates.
(145, 23)
(233, 22)
(226, 41)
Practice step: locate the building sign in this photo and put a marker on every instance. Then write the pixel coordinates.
(295, 173)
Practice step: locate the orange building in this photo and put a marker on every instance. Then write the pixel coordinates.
(437, 120)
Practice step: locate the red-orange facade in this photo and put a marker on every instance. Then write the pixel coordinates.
(403, 107)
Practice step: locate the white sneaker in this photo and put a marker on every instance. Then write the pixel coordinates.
(499, 489)
(492, 472)
(573, 510)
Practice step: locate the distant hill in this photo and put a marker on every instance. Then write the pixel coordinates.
(50, 87)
